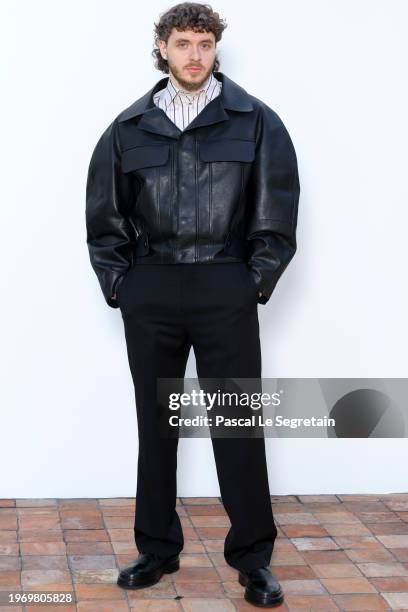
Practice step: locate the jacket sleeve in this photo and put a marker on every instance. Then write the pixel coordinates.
(273, 203)
(110, 236)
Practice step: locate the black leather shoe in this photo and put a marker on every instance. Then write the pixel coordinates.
(262, 588)
(147, 570)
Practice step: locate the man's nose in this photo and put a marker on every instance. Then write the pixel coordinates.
(195, 54)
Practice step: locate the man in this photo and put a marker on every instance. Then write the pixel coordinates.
(191, 213)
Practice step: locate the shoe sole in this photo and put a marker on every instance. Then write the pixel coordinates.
(174, 566)
(260, 599)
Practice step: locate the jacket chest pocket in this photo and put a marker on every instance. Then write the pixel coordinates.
(227, 150)
(150, 170)
(144, 158)
(229, 163)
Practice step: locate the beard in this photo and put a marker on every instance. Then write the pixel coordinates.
(195, 82)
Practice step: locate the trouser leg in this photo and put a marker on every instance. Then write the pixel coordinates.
(224, 329)
(157, 346)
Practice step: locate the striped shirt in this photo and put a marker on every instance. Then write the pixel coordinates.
(181, 106)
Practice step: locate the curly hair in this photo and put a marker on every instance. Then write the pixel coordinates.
(186, 16)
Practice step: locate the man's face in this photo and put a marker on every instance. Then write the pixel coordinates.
(188, 49)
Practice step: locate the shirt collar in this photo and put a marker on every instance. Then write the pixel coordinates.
(232, 97)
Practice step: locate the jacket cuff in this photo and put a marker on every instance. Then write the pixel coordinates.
(110, 282)
(270, 257)
(112, 302)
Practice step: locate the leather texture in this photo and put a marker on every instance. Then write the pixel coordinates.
(224, 189)
(262, 587)
(147, 570)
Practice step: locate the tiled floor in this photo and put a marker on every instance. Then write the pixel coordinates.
(333, 552)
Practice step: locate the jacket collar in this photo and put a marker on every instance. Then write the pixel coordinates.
(232, 97)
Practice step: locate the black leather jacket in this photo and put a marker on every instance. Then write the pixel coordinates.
(224, 189)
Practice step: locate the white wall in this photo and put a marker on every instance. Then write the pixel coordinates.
(334, 72)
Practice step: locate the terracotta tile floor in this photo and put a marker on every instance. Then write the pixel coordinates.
(333, 552)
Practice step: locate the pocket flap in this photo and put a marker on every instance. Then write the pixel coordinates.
(144, 157)
(227, 150)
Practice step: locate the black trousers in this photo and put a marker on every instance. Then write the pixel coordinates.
(166, 310)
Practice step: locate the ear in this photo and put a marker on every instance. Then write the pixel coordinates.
(163, 49)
